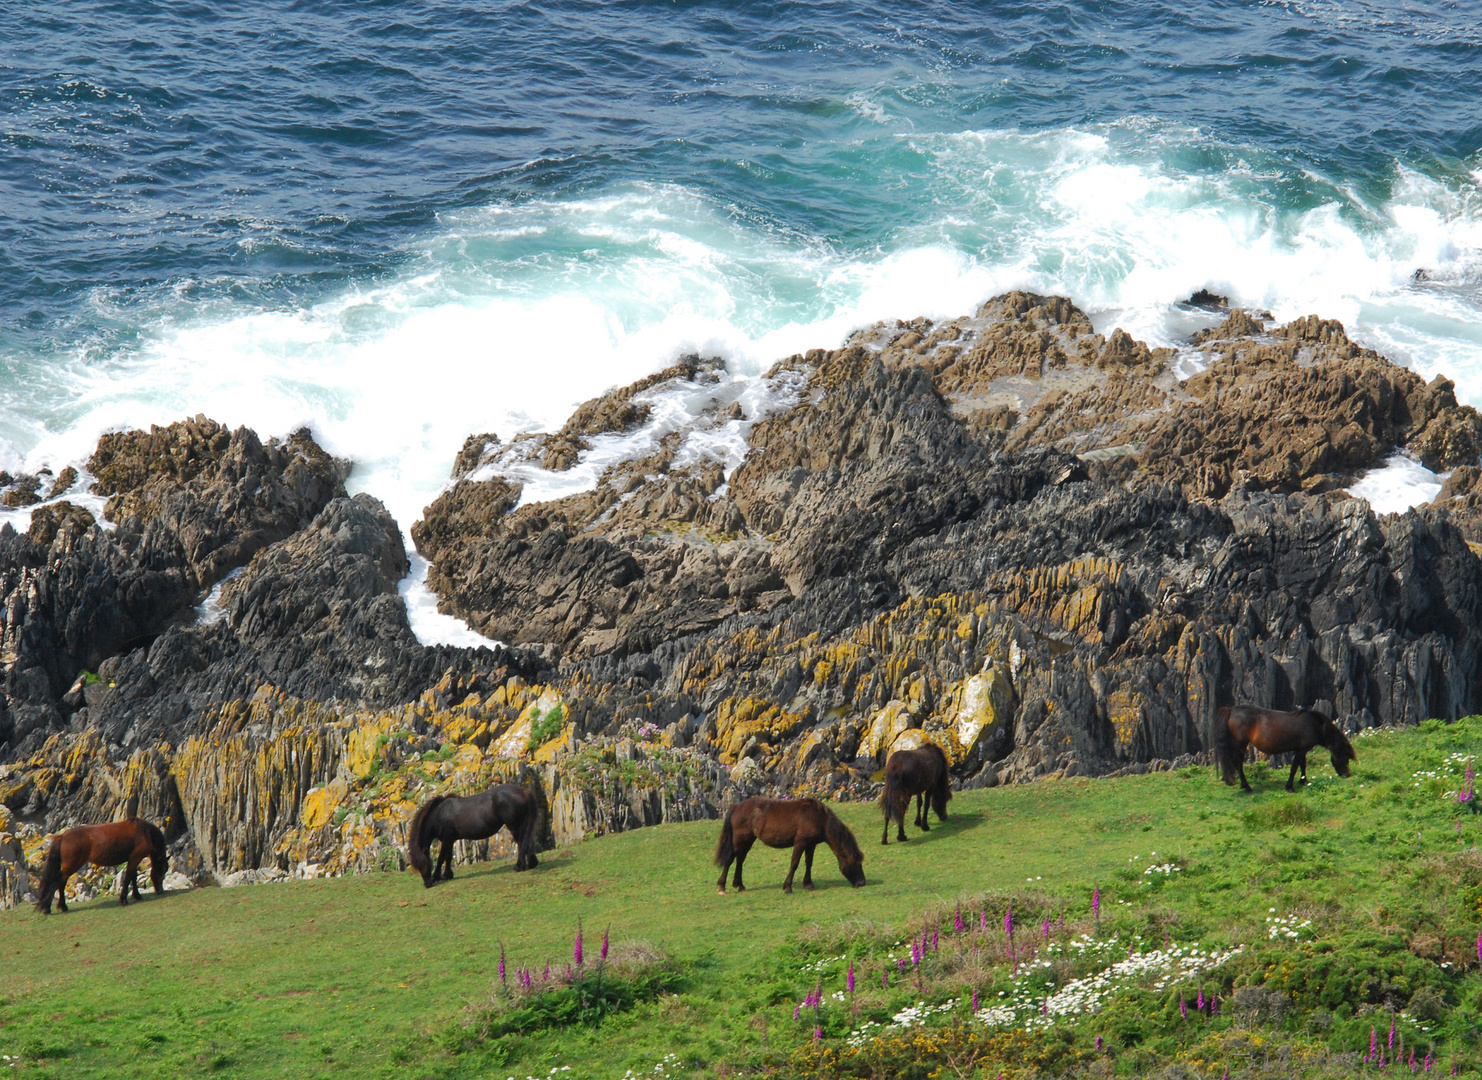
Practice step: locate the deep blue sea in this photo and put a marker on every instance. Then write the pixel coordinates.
(400, 223)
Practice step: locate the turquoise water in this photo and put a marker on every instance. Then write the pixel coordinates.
(402, 223)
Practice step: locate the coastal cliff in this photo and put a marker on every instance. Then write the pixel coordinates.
(1048, 551)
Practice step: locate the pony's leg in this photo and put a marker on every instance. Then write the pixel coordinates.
(724, 870)
(797, 855)
(1292, 775)
(741, 851)
(447, 858)
(921, 812)
(130, 869)
(1302, 760)
(62, 889)
(808, 868)
(900, 819)
(1244, 783)
(885, 832)
(134, 877)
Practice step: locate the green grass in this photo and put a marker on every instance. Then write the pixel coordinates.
(374, 976)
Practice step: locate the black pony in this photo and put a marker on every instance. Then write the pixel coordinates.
(475, 817)
(921, 772)
(1276, 733)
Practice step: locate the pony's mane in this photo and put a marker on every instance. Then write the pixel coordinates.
(838, 833)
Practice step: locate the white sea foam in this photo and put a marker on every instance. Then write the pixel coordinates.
(1397, 485)
(431, 626)
(508, 316)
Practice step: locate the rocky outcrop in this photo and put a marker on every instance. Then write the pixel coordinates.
(1009, 534)
(1047, 550)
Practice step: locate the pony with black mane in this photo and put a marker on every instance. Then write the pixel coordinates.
(923, 773)
(1276, 733)
(129, 841)
(449, 818)
(801, 824)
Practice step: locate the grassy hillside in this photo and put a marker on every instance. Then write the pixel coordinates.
(1379, 878)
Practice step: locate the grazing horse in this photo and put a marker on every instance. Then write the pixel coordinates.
(923, 773)
(1276, 733)
(801, 824)
(127, 841)
(474, 817)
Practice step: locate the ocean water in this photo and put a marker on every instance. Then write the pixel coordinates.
(402, 223)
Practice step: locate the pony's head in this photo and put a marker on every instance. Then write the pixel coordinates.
(845, 848)
(1338, 746)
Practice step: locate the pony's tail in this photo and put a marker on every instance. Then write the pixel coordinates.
(1226, 754)
(725, 849)
(416, 842)
(51, 876)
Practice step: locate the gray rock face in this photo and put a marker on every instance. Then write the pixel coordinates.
(1006, 534)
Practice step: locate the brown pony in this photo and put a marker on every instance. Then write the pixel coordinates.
(1276, 733)
(103, 845)
(447, 818)
(921, 772)
(801, 824)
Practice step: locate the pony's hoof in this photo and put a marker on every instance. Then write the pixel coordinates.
(787, 889)
(809, 886)
(722, 890)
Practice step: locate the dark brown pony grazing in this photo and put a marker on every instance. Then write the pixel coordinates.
(474, 817)
(1276, 733)
(801, 824)
(923, 773)
(103, 845)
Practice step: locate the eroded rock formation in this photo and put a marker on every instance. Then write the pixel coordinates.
(1051, 552)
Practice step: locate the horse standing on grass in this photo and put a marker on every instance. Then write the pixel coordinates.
(1276, 733)
(923, 773)
(128, 841)
(801, 824)
(448, 818)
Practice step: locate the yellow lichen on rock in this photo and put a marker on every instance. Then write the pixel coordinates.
(1124, 710)
(985, 704)
(884, 728)
(320, 804)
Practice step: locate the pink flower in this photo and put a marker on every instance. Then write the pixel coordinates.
(1096, 903)
(983, 920)
(603, 954)
(817, 1033)
(1008, 920)
(849, 979)
(1045, 933)
(885, 980)
(1183, 1007)
(1200, 1004)
(958, 925)
(1098, 1044)
(501, 963)
(975, 999)
(576, 951)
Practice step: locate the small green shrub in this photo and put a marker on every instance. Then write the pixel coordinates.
(544, 728)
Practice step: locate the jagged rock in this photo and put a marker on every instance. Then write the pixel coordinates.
(1005, 534)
